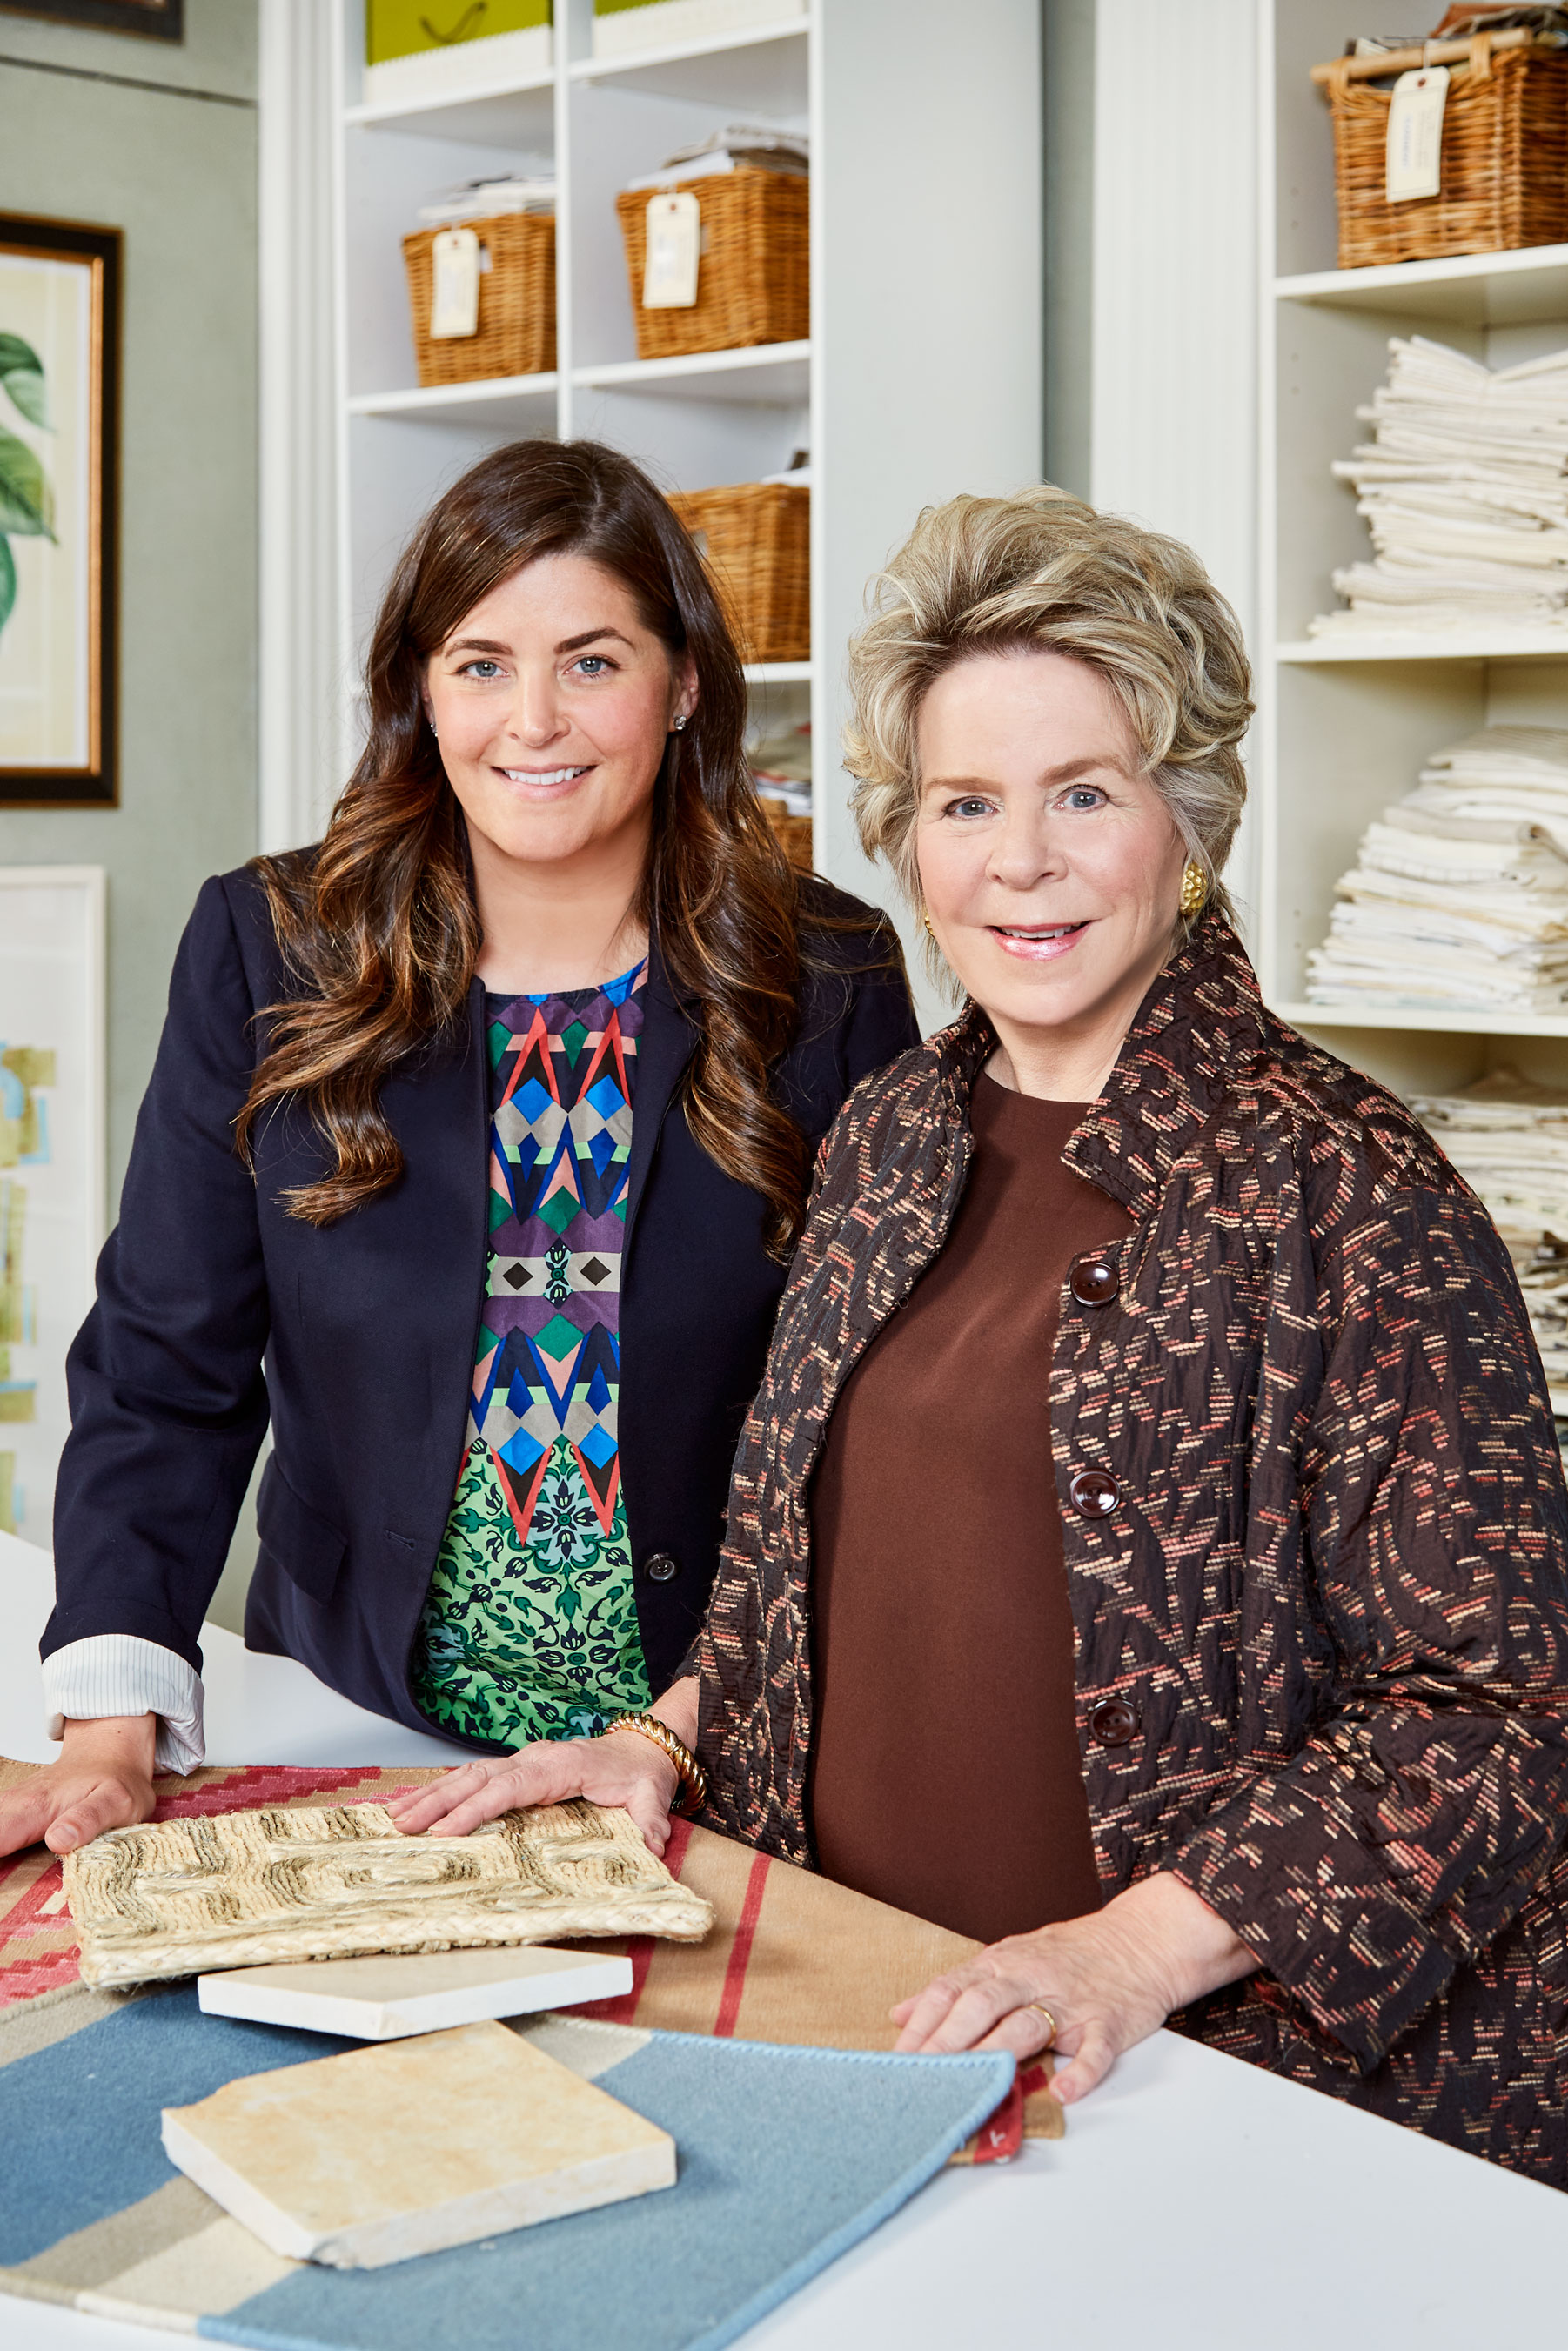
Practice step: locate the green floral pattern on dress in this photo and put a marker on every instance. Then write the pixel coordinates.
(529, 1629)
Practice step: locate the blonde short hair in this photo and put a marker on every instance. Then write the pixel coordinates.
(1042, 570)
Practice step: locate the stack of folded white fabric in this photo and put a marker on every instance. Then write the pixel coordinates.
(1544, 1283)
(1509, 1139)
(1459, 894)
(1464, 485)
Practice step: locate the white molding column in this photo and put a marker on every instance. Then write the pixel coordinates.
(301, 652)
(1174, 361)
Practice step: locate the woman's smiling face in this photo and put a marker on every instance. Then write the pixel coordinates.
(552, 701)
(1049, 864)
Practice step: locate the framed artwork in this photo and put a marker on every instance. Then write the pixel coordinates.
(52, 1105)
(156, 20)
(59, 448)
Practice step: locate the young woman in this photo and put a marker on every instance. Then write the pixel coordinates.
(477, 1144)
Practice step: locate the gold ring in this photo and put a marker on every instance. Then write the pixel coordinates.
(1040, 2008)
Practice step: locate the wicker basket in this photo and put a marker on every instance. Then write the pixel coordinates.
(1504, 160)
(516, 301)
(755, 539)
(754, 281)
(793, 832)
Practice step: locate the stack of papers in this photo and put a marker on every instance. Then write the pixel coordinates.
(482, 199)
(742, 147)
(781, 767)
(1459, 894)
(1464, 485)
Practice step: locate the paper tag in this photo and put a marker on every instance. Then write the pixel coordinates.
(1416, 134)
(675, 252)
(455, 300)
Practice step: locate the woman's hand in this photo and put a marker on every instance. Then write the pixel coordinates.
(622, 1768)
(102, 1781)
(1108, 1980)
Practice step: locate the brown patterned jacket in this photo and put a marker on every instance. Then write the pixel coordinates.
(1322, 1636)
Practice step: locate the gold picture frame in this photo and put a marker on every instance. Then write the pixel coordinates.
(59, 513)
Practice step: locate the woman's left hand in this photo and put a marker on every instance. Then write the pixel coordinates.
(1107, 1980)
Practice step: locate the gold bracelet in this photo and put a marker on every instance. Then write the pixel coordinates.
(694, 1779)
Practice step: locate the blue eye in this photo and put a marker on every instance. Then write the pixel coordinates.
(594, 665)
(970, 805)
(1083, 796)
(481, 669)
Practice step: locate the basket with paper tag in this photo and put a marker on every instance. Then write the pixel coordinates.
(718, 244)
(481, 280)
(1456, 143)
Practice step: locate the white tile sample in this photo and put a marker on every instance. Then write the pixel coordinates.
(405, 2148)
(392, 1995)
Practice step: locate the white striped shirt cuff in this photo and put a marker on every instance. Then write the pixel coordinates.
(117, 1673)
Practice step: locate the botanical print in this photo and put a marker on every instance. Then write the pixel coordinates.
(531, 1629)
(45, 511)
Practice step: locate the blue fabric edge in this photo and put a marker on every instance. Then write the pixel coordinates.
(858, 2227)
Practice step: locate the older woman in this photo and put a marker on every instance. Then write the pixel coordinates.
(1146, 1549)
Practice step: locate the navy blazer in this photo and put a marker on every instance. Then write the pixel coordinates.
(217, 1311)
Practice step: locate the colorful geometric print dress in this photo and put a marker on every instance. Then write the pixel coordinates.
(529, 1630)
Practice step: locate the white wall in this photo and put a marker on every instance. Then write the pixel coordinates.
(1174, 339)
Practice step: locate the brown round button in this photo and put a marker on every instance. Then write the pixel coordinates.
(1092, 1280)
(1094, 1493)
(661, 1568)
(1113, 1722)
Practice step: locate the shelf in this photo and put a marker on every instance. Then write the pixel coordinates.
(498, 400)
(1523, 644)
(769, 375)
(1476, 289)
(1455, 1020)
(760, 71)
(518, 114)
(778, 673)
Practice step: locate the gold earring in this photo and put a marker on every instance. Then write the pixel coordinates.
(1194, 889)
(926, 918)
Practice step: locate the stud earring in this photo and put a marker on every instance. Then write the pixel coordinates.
(681, 723)
(1194, 889)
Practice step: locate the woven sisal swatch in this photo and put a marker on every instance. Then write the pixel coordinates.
(242, 1889)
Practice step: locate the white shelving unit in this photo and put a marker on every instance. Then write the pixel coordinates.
(1344, 726)
(921, 374)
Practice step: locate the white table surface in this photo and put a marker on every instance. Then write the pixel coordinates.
(1195, 2204)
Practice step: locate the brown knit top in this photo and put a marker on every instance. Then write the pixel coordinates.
(945, 1771)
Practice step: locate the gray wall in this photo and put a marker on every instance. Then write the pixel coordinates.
(160, 140)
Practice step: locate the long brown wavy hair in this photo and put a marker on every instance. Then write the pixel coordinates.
(379, 925)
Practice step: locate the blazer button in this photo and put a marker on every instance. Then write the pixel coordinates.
(1094, 1493)
(662, 1567)
(1092, 1280)
(1113, 1722)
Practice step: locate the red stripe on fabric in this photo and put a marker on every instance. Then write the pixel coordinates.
(27, 1907)
(680, 1843)
(740, 1950)
(622, 2009)
(999, 2139)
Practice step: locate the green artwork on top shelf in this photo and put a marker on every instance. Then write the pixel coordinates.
(27, 500)
(408, 28)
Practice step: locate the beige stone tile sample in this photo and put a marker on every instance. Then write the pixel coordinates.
(383, 2153)
(391, 1995)
(261, 1887)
